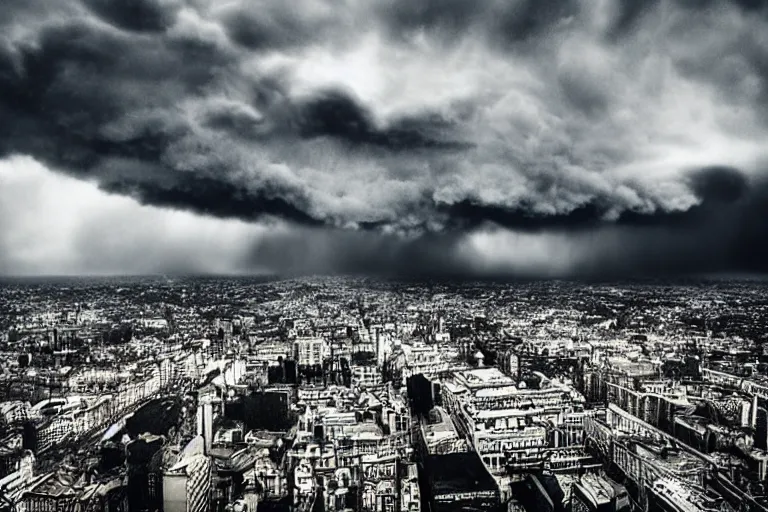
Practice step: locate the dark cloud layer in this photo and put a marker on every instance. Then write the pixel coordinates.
(336, 115)
(399, 132)
(101, 234)
(138, 15)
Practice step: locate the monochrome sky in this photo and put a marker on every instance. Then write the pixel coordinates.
(446, 137)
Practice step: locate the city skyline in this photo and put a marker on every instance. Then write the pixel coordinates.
(533, 138)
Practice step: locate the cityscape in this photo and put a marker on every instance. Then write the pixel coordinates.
(360, 394)
(383, 256)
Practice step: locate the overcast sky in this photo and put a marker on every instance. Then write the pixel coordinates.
(448, 137)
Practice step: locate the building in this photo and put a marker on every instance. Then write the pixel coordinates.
(545, 493)
(670, 495)
(438, 434)
(408, 360)
(365, 372)
(268, 409)
(53, 491)
(410, 492)
(310, 351)
(144, 472)
(271, 353)
(380, 484)
(508, 424)
(460, 481)
(187, 483)
(598, 493)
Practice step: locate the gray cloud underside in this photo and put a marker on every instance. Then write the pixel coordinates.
(50, 224)
(391, 128)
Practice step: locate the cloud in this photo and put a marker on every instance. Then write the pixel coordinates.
(53, 224)
(405, 123)
(138, 15)
(336, 115)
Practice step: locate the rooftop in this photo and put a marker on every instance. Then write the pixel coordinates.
(484, 377)
(458, 473)
(676, 461)
(439, 421)
(598, 488)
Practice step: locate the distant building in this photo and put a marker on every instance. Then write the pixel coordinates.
(310, 351)
(50, 493)
(410, 491)
(365, 372)
(262, 410)
(271, 352)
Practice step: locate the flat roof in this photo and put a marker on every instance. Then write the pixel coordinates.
(482, 377)
(598, 488)
(461, 472)
(438, 421)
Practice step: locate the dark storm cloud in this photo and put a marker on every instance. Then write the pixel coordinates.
(265, 26)
(81, 97)
(629, 15)
(719, 183)
(752, 5)
(710, 242)
(722, 191)
(521, 20)
(124, 237)
(625, 122)
(212, 197)
(733, 58)
(728, 238)
(725, 233)
(237, 120)
(715, 187)
(505, 23)
(337, 115)
(467, 215)
(747, 5)
(139, 15)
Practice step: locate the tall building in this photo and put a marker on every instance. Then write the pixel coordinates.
(187, 484)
